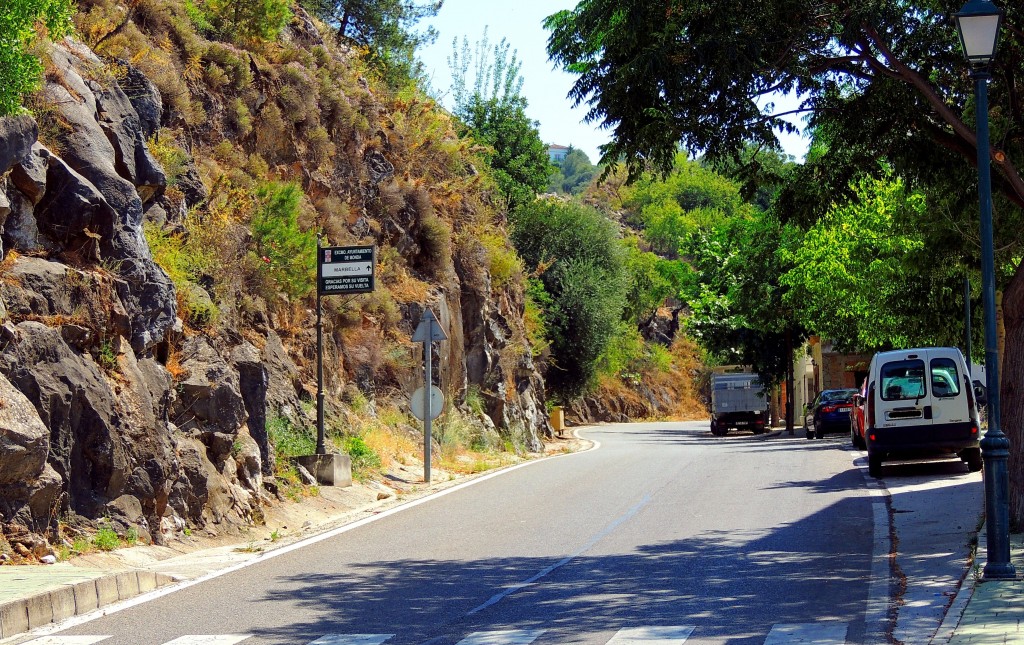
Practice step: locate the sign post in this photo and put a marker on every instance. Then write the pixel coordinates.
(339, 270)
(427, 332)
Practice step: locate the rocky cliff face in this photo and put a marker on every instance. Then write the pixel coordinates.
(93, 423)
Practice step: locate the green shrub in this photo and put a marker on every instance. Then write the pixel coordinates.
(185, 263)
(504, 264)
(285, 251)
(242, 20)
(171, 156)
(106, 539)
(364, 459)
(288, 440)
(20, 70)
(474, 399)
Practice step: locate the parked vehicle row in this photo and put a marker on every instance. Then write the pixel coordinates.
(914, 403)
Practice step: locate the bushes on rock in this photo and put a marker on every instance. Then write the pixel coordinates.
(21, 23)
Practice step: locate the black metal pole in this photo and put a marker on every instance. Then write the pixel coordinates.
(967, 329)
(790, 382)
(320, 447)
(995, 446)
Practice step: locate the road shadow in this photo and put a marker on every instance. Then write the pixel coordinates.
(733, 584)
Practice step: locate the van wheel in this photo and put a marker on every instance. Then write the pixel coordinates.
(717, 429)
(972, 457)
(874, 465)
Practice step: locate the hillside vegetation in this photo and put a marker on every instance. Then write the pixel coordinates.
(167, 184)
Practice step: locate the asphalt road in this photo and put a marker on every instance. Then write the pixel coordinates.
(663, 530)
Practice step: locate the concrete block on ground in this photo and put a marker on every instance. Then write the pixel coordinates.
(127, 585)
(147, 581)
(85, 596)
(63, 603)
(329, 470)
(13, 618)
(106, 590)
(40, 611)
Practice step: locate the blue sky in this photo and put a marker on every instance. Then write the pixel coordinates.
(545, 88)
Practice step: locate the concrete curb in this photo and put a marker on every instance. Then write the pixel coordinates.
(74, 599)
(957, 608)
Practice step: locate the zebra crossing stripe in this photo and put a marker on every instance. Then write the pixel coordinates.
(352, 639)
(807, 634)
(824, 633)
(223, 639)
(652, 635)
(507, 637)
(67, 640)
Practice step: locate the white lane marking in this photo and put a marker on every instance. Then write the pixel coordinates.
(67, 640)
(169, 589)
(352, 639)
(878, 614)
(652, 635)
(507, 637)
(605, 532)
(221, 639)
(807, 633)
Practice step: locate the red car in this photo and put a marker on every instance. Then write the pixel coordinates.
(857, 417)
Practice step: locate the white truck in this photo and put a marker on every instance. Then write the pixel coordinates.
(738, 401)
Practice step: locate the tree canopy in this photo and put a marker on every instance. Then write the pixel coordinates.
(582, 268)
(883, 78)
(573, 174)
(385, 28)
(493, 112)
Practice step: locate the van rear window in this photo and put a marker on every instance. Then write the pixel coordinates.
(902, 380)
(945, 379)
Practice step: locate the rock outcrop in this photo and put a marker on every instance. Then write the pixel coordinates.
(109, 406)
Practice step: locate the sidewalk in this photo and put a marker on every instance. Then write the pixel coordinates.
(991, 611)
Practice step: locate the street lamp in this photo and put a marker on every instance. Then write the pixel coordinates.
(978, 22)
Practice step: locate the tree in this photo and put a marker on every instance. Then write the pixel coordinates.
(739, 309)
(242, 20)
(879, 81)
(866, 277)
(670, 207)
(493, 112)
(385, 29)
(682, 72)
(572, 175)
(579, 257)
(22, 22)
(515, 152)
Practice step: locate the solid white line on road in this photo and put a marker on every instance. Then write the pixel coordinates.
(507, 637)
(652, 635)
(220, 639)
(174, 588)
(67, 640)
(877, 617)
(807, 633)
(352, 639)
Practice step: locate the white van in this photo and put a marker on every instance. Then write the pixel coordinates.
(920, 402)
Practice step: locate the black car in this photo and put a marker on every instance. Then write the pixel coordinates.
(829, 412)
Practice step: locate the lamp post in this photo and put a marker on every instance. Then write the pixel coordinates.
(977, 23)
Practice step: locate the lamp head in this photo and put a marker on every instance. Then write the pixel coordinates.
(978, 23)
